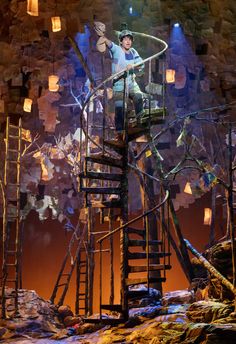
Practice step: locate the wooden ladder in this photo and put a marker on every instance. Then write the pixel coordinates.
(11, 214)
(77, 245)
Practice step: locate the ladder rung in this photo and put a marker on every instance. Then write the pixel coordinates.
(99, 233)
(13, 184)
(11, 280)
(13, 150)
(11, 252)
(14, 137)
(61, 285)
(97, 251)
(14, 161)
(81, 294)
(11, 264)
(65, 274)
(13, 126)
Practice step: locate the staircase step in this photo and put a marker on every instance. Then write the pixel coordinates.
(134, 133)
(101, 190)
(140, 232)
(143, 255)
(152, 267)
(105, 204)
(137, 294)
(115, 308)
(101, 175)
(118, 146)
(135, 281)
(104, 160)
(106, 321)
(142, 243)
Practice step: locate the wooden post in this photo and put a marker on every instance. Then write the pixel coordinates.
(213, 209)
(181, 243)
(91, 247)
(230, 202)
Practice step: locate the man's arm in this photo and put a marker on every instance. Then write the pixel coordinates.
(108, 42)
(138, 59)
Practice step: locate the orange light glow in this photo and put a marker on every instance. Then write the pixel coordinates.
(56, 24)
(170, 76)
(33, 7)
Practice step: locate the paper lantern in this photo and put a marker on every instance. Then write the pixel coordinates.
(207, 216)
(53, 83)
(27, 104)
(56, 24)
(33, 7)
(188, 189)
(170, 76)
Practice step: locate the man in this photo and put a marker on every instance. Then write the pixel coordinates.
(124, 57)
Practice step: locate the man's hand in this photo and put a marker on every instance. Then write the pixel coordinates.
(129, 67)
(99, 28)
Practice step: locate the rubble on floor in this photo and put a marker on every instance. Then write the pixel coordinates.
(177, 318)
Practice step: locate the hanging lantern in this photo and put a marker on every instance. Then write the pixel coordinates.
(27, 104)
(33, 7)
(207, 216)
(56, 24)
(188, 189)
(53, 83)
(170, 76)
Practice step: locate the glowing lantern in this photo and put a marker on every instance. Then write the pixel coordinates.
(207, 216)
(33, 7)
(56, 24)
(188, 189)
(27, 104)
(53, 83)
(170, 76)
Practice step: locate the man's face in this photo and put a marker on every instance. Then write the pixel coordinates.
(126, 42)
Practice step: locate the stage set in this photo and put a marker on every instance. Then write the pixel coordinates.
(117, 171)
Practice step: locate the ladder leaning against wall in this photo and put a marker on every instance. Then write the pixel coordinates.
(11, 218)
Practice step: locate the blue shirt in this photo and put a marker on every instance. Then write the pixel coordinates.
(120, 59)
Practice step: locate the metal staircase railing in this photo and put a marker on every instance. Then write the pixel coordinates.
(124, 275)
(108, 154)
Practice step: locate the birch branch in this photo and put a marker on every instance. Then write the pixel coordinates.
(210, 268)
